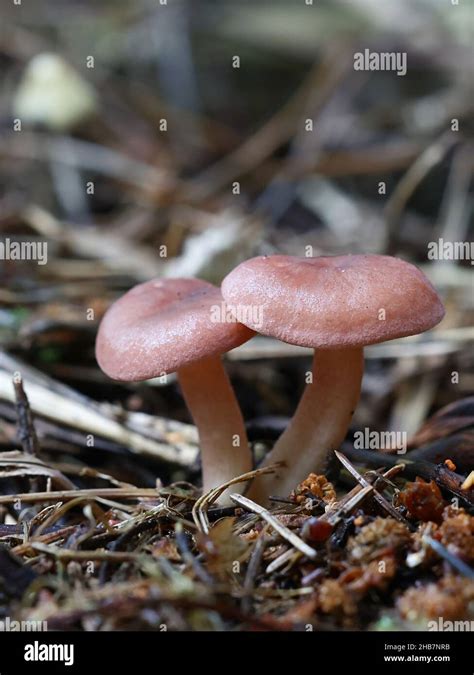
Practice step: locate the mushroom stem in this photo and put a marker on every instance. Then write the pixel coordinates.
(225, 452)
(319, 424)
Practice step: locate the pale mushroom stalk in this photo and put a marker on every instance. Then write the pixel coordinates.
(320, 422)
(210, 398)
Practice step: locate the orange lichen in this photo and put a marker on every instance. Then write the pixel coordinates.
(316, 485)
(422, 500)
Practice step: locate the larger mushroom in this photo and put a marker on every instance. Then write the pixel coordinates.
(168, 325)
(336, 305)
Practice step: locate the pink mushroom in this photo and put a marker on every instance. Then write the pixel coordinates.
(165, 325)
(335, 305)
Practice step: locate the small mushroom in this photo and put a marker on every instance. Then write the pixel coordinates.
(166, 325)
(335, 305)
(52, 93)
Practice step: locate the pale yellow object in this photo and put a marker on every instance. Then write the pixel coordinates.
(53, 93)
(469, 482)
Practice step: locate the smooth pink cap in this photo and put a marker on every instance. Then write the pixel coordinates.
(334, 302)
(162, 325)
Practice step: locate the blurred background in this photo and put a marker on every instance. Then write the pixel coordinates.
(144, 138)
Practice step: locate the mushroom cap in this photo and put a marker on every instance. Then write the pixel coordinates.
(334, 302)
(162, 325)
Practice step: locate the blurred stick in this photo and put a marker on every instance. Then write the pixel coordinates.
(440, 342)
(26, 427)
(92, 421)
(407, 185)
(454, 213)
(65, 495)
(86, 155)
(382, 158)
